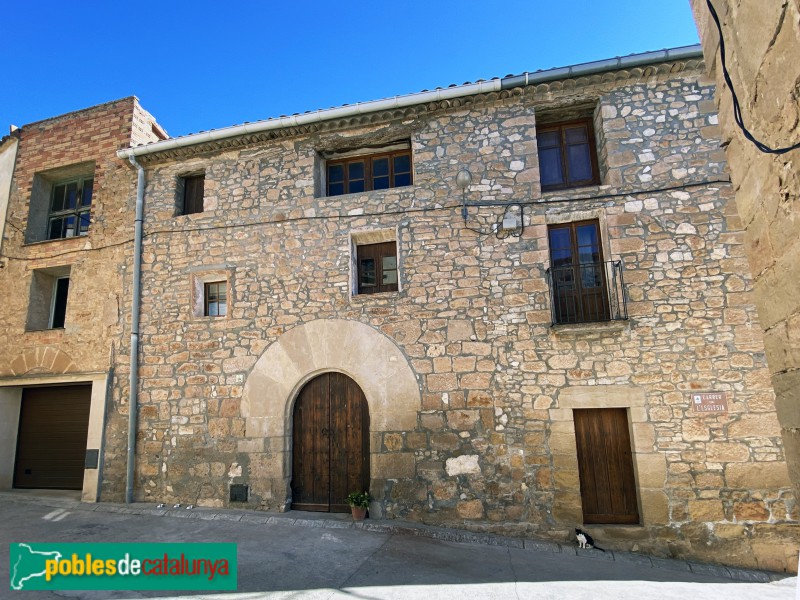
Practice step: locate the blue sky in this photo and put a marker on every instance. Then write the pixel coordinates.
(202, 65)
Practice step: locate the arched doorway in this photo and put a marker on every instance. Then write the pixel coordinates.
(330, 443)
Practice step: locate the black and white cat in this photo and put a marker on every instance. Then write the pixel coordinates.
(585, 540)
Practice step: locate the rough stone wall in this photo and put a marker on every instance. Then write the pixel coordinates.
(493, 445)
(763, 56)
(94, 303)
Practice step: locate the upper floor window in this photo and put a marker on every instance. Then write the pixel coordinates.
(60, 203)
(567, 156)
(192, 194)
(378, 171)
(70, 206)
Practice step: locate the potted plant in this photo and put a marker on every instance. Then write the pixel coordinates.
(359, 503)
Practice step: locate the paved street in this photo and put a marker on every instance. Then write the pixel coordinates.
(304, 556)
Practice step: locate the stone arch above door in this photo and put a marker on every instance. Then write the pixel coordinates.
(364, 354)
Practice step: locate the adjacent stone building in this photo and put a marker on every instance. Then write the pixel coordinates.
(762, 42)
(516, 306)
(65, 199)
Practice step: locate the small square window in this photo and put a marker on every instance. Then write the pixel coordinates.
(215, 299)
(193, 187)
(376, 268)
(567, 155)
(376, 171)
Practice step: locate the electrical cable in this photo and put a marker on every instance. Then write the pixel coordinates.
(737, 109)
(446, 207)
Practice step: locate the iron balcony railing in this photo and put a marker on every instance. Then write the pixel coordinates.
(586, 293)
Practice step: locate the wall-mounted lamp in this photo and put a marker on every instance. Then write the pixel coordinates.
(463, 179)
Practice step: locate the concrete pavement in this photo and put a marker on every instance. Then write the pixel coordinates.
(327, 556)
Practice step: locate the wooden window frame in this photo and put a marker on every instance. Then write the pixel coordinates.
(561, 128)
(221, 301)
(377, 252)
(193, 193)
(368, 159)
(81, 212)
(593, 303)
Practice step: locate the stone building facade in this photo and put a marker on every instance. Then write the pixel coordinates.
(561, 289)
(62, 269)
(469, 371)
(763, 57)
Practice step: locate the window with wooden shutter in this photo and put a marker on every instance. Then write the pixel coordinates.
(193, 188)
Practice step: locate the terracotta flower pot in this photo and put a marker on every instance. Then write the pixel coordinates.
(359, 514)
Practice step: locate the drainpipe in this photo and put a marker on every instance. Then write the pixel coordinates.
(133, 391)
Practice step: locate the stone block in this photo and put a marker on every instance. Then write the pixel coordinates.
(393, 442)
(655, 507)
(478, 399)
(706, 511)
(651, 469)
(757, 476)
(562, 443)
(397, 465)
(695, 430)
(724, 452)
(442, 382)
(459, 330)
(472, 509)
(601, 396)
(466, 464)
(432, 421)
(566, 479)
(476, 381)
(567, 508)
(750, 511)
(462, 420)
(445, 441)
(754, 426)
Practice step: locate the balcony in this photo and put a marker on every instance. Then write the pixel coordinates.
(587, 293)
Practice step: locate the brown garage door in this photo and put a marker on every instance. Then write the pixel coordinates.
(51, 446)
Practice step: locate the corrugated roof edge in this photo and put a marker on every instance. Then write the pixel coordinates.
(589, 68)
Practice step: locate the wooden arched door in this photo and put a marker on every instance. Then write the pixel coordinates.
(330, 444)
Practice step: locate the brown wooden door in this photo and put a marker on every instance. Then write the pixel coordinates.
(605, 465)
(51, 443)
(330, 447)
